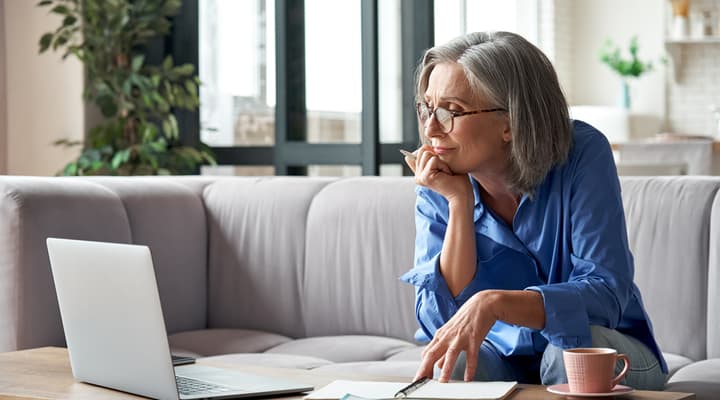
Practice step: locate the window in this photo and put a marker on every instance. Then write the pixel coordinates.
(346, 102)
(457, 17)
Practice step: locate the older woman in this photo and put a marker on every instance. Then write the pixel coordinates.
(521, 247)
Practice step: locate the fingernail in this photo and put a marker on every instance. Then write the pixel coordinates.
(407, 154)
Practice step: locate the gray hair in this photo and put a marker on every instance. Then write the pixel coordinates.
(513, 74)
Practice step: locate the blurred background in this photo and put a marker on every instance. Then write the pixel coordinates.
(323, 87)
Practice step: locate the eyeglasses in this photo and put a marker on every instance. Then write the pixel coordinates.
(444, 116)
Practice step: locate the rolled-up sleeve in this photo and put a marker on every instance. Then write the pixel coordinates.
(597, 288)
(434, 304)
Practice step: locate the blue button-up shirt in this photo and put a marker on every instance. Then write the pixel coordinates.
(568, 242)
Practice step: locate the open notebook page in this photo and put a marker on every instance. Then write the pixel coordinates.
(431, 390)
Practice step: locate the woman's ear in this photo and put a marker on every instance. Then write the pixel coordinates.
(507, 133)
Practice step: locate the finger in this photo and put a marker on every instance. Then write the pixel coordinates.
(450, 358)
(436, 164)
(471, 361)
(425, 370)
(411, 162)
(440, 362)
(431, 345)
(422, 159)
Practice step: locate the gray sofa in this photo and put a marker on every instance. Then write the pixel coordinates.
(303, 272)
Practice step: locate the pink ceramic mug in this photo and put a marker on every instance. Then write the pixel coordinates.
(592, 370)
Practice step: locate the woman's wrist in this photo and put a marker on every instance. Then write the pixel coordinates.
(517, 307)
(462, 201)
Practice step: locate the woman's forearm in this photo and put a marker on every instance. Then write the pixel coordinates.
(458, 259)
(519, 307)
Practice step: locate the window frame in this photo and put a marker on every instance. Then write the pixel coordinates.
(292, 154)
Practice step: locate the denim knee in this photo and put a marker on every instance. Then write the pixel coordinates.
(552, 366)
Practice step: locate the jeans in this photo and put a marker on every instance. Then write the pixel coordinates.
(645, 372)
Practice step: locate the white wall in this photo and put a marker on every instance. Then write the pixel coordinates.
(43, 92)
(696, 86)
(3, 99)
(594, 83)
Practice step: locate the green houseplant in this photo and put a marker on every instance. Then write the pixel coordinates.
(627, 68)
(139, 134)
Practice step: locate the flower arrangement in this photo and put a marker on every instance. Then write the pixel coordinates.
(610, 54)
(632, 67)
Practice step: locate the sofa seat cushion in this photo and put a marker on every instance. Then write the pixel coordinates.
(344, 348)
(701, 378)
(212, 342)
(400, 369)
(675, 362)
(412, 354)
(276, 360)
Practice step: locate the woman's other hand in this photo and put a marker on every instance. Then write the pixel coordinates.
(465, 331)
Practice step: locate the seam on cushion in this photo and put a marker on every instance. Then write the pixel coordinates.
(204, 194)
(327, 182)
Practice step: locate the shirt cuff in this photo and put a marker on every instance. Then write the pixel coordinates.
(566, 320)
(427, 276)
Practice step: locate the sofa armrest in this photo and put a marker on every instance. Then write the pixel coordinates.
(31, 210)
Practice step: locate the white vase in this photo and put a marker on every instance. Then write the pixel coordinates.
(680, 28)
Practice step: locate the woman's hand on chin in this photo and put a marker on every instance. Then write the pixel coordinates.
(433, 173)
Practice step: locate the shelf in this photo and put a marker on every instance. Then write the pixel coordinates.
(676, 50)
(617, 146)
(705, 40)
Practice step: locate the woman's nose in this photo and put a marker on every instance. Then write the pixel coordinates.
(432, 127)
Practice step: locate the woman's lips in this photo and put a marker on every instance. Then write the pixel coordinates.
(441, 150)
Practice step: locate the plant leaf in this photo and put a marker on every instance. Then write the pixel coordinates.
(137, 62)
(60, 9)
(45, 41)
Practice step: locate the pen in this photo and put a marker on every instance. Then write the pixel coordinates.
(407, 154)
(404, 392)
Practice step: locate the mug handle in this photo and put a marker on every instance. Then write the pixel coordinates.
(618, 378)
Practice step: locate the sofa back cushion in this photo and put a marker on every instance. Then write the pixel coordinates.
(31, 210)
(168, 216)
(713, 311)
(257, 235)
(360, 239)
(668, 220)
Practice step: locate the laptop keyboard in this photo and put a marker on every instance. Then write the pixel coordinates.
(190, 386)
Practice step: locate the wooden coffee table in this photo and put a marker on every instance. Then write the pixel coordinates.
(44, 373)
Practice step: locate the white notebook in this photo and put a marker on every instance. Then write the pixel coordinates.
(431, 389)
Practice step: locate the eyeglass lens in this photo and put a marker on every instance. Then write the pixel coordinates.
(443, 116)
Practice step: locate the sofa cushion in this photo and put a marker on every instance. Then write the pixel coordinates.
(346, 348)
(270, 360)
(411, 354)
(668, 221)
(211, 342)
(361, 234)
(169, 217)
(31, 210)
(257, 229)
(675, 362)
(400, 369)
(701, 378)
(713, 312)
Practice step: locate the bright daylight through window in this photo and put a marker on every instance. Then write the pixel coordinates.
(237, 69)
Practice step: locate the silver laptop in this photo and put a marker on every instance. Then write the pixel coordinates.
(115, 330)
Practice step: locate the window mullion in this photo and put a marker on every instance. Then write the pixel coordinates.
(370, 88)
(290, 111)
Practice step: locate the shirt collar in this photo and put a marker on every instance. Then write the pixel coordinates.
(488, 225)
